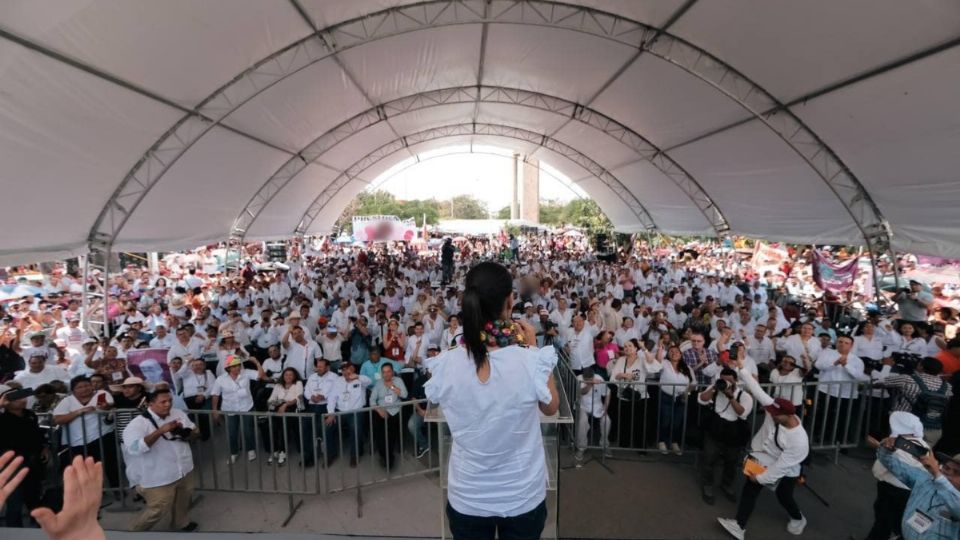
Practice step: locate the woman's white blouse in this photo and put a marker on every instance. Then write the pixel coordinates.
(670, 380)
(497, 462)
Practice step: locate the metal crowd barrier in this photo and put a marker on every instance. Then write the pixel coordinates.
(638, 423)
(317, 456)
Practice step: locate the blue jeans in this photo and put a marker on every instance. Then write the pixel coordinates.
(671, 419)
(417, 428)
(234, 432)
(527, 526)
(348, 426)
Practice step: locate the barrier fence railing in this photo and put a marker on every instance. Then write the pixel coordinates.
(323, 453)
(640, 415)
(319, 447)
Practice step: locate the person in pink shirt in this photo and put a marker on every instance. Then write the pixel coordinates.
(606, 351)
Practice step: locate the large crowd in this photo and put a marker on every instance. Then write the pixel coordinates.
(334, 329)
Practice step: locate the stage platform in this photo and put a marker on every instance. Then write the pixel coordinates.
(639, 497)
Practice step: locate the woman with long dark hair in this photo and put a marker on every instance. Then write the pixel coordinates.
(634, 415)
(492, 389)
(676, 379)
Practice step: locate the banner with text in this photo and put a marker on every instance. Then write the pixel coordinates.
(383, 228)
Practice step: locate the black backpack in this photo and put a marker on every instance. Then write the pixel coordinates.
(930, 405)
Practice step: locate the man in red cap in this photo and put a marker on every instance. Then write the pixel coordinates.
(778, 448)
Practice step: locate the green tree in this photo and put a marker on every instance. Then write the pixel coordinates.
(551, 212)
(586, 214)
(463, 207)
(504, 213)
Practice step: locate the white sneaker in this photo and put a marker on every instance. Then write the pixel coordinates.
(608, 453)
(578, 455)
(281, 458)
(732, 527)
(251, 455)
(675, 448)
(662, 446)
(270, 459)
(796, 526)
(233, 458)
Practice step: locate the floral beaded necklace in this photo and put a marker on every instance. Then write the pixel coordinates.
(501, 334)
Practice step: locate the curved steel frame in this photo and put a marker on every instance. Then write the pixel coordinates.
(467, 129)
(483, 94)
(546, 13)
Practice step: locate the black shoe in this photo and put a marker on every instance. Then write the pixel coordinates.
(707, 494)
(192, 526)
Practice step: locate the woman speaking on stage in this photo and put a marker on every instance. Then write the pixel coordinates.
(492, 389)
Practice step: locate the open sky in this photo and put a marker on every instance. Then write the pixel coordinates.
(486, 174)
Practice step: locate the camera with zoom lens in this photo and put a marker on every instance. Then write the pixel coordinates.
(905, 363)
(721, 385)
(734, 350)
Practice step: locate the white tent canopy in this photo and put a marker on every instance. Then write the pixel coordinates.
(145, 125)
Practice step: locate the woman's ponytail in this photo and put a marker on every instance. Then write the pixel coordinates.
(487, 287)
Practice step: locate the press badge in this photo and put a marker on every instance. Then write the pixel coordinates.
(117, 375)
(390, 399)
(920, 522)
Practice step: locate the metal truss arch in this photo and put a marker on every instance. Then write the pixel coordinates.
(399, 20)
(454, 130)
(482, 94)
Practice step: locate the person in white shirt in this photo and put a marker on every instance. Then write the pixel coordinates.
(905, 341)
(185, 346)
(159, 462)
(86, 427)
(72, 334)
(416, 349)
(788, 381)
(779, 448)
(594, 402)
(39, 372)
(317, 392)
(726, 435)
(350, 394)
(580, 344)
(450, 337)
(196, 383)
(634, 417)
(162, 339)
(676, 380)
(840, 373)
(300, 351)
(759, 346)
(331, 343)
(286, 397)
(492, 393)
(805, 347)
(231, 394)
(82, 362)
(38, 345)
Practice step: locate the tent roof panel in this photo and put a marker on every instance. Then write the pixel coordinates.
(792, 48)
(181, 49)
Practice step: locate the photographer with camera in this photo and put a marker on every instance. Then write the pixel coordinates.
(727, 432)
(912, 303)
(776, 454)
(933, 509)
(159, 462)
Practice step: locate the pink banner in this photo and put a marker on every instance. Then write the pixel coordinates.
(834, 277)
(150, 365)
